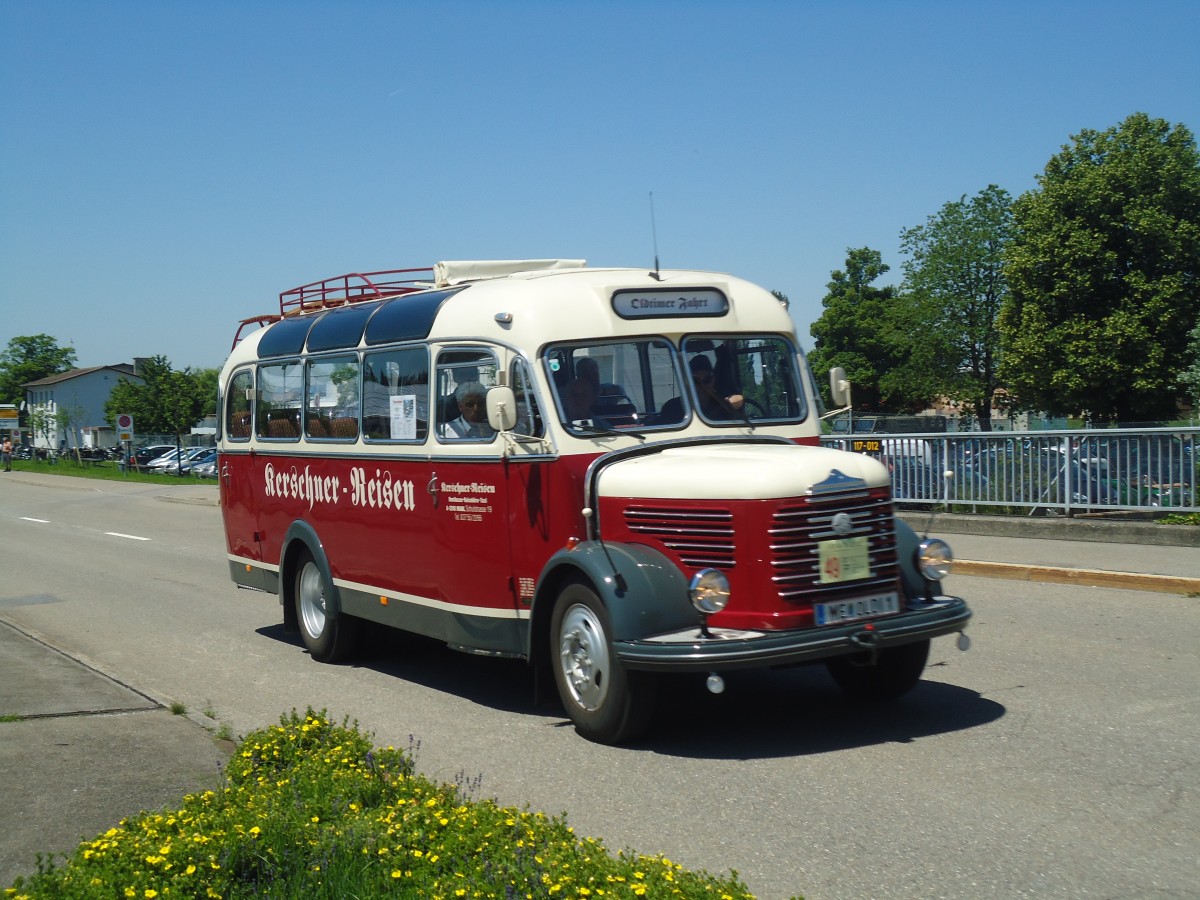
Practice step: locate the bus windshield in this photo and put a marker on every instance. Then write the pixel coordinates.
(649, 383)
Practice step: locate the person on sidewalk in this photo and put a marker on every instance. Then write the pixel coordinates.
(7, 454)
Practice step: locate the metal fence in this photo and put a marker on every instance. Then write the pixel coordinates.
(1066, 471)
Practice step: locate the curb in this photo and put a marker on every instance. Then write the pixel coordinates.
(1130, 581)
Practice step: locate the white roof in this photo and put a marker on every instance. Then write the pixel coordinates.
(453, 272)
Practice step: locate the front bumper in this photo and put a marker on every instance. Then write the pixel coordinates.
(685, 651)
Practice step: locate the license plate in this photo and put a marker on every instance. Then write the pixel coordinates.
(858, 608)
(846, 559)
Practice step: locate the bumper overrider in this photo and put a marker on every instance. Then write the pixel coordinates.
(695, 650)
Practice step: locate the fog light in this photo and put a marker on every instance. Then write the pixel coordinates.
(934, 559)
(709, 591)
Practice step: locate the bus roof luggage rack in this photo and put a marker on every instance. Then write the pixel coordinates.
(356, 287)
(262, 321)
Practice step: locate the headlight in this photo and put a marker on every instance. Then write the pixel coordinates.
(934, 559)
(709, 591)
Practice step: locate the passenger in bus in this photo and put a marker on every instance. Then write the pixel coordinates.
(712, 405)
(579, 401)
(471, 397)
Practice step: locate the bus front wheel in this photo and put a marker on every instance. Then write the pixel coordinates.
(606, 702)
(328, 633)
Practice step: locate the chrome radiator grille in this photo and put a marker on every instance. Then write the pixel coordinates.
(798, 526)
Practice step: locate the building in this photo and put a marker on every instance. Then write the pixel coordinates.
(67, 410)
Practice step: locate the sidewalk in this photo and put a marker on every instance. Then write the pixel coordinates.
(1116, 554)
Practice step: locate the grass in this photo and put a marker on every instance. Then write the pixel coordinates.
(106, 470)
(311, 809)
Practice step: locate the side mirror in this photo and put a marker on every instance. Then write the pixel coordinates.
(839, 387)
(502, 408)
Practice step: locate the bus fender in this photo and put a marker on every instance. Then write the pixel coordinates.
(643, 590)
(907, 541)
(302, 535)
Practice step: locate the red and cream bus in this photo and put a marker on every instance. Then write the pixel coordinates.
(610, 473)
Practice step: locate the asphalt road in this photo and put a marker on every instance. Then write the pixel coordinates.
(1056, 758)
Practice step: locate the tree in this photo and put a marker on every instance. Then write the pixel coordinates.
(955, 271)
(1190, 379)
(866, 330)
(1103, 269)
(167, 402)
(31, 358)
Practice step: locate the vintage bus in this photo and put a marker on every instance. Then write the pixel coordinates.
(610, 473)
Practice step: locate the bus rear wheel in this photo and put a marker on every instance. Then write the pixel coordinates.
(329, 634)
(895, 672)
(606, 702)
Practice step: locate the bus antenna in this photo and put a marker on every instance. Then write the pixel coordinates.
(654, 238)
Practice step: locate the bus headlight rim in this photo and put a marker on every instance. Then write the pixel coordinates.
(709, 591)
(935, 559)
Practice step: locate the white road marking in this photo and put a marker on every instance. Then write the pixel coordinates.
(132, 537)
(43, 521)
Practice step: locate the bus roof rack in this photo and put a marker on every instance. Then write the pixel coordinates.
(355, 287)
(262, 321)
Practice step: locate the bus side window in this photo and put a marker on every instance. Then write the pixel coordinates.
(331, 409)
(277, 410)
(529, 416)
(237, 406)
(458, 370)
(396, 395)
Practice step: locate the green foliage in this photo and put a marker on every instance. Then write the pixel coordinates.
(868, 332)
(311, 809)
(1190, 378)
(166, 402)
(31, 358)
(206, 387)
(1104, 272)
(955, 273)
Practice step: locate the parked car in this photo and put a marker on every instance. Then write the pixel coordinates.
(178, 461)
(143, 456)
(206, 469)
(207, 457)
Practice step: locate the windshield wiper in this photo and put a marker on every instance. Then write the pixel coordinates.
(588, 427)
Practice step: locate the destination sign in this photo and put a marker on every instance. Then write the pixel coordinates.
(660, 304)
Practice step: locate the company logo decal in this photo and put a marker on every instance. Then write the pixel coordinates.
(378, 491)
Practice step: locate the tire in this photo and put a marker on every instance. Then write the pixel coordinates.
(329, 634)
(606, 702)
(895, 673)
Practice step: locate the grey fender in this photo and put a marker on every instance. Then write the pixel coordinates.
(915, 585)
(302, 535)
(643, 591)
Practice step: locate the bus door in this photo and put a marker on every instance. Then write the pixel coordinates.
(234, 471)
(528, 477)
(469, 489)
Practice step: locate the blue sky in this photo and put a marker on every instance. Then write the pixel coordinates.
(167, 168)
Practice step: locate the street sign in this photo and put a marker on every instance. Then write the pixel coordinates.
(124, 427)
(10, 421)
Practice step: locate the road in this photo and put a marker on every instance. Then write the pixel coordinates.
(1056, 758)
